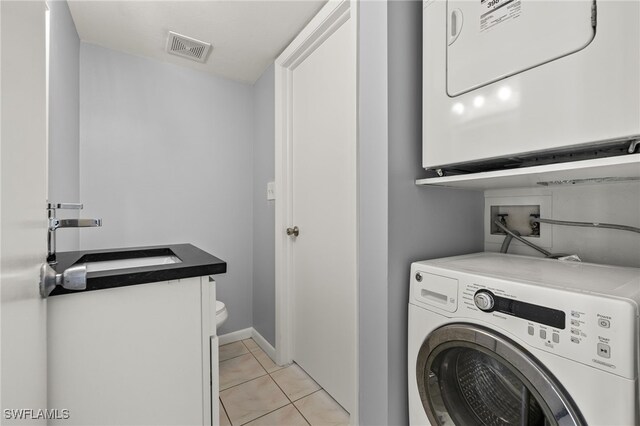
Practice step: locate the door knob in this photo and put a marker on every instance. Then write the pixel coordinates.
(73, 278)
(295, 231)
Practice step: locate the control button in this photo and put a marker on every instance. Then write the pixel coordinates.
(556, 338)
(604, 350)
(484, 300)
(575, 331)
(530, 330)
(575, 314)
(543, 334)
(604, 323)
(575, 340)
(575, 323)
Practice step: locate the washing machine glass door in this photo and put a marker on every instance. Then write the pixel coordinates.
(468, 375)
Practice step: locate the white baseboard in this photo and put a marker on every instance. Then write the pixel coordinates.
(245, 334)
(234, 336)
(262, 342)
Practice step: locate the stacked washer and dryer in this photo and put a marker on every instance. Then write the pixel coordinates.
(497, 339)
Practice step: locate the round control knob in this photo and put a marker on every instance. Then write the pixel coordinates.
(484, 300)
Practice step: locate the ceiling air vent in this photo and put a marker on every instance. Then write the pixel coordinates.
(187, 47)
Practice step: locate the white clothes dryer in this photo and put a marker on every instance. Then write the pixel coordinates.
(498, 339)
(511, 83)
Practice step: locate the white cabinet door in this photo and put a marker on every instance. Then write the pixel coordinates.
(136, 355)
(23, 198)
(214, 382)
(210, 382)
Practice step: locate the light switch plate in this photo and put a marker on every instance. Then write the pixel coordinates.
(271, 191)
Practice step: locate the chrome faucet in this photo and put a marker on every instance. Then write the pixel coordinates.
(55, 223)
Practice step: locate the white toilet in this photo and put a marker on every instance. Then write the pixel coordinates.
(221, 313)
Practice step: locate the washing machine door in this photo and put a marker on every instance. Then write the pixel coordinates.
(469, 375)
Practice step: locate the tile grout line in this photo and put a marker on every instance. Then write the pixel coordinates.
(280, 387)
(248, 348)
(259, 349)
(266, 414)
(280, 408)
(233, 357)
(291, 402)
(265, 369)
(230, 387)
(254, 355)
(245, 346)
(302, 415)
(296, 407)
(303, 396)
(256, 358)
(225, 411)
(266, 373)
(246, 381)
(276, 383)
(281, 390)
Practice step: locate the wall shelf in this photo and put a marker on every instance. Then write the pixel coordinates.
(622, 168)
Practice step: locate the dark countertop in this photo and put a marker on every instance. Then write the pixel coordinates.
(195, 263)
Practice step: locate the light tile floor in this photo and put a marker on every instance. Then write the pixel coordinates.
(255, 391)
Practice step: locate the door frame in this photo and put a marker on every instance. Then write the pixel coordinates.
(331, 17)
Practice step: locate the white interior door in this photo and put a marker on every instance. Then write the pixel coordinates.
(23, 158)
(322, 203)
(324, 209)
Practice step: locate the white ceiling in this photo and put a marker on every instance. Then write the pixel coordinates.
(246, 35)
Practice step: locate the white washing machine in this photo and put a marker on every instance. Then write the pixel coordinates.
(498, 339)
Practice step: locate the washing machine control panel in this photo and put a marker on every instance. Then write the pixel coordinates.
(484, 300)
(594, 329)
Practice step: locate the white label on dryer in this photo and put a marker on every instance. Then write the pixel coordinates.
(494, 12)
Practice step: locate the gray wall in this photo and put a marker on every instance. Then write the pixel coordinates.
(64, 185)
(165, 157)
(423, 222)
(373, 213)
(399, 221)
(264, 308)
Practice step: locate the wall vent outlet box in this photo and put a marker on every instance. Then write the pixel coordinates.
(516, 211)
(517, 218)
(187, 47)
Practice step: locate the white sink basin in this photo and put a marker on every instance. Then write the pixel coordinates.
(136, 262)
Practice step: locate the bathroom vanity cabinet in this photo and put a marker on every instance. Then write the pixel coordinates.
(140, 354)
